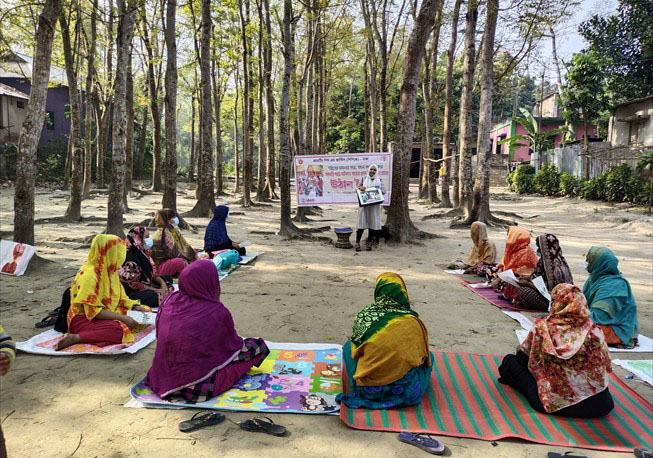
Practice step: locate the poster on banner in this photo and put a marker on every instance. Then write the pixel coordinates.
(14, 257)
(332, 179)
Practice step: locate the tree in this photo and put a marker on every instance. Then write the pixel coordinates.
(124, 35)
(74, 210)
(584, 95)
(448, 161)
(90, 88)
(398, 220)
(625, 41)
(248, 99)
(170, 188)
(463, 192)
(269, 105)
(30, 131)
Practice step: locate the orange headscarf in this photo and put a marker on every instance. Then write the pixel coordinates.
(519, 256)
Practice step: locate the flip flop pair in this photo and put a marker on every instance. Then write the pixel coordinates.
(256, 424)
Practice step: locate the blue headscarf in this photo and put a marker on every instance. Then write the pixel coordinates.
(216, 231)
(609, 295)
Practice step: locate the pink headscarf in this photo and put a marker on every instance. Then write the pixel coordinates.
(195, 332)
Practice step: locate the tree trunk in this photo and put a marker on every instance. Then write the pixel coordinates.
(446, 129)
(74, 210)
(116, 189)
(270, 174)
(465, 122)
(157, 184)
(398, 220)
(236, 149)
(217, 108)
(432, 167)
(33, 124)
(104, 122)
(287, 227)
(129, 143)
(142, 145)
(248, 121)
(262, 150)
(205, 185)
(191, 165)
(170, 189)
(481, 200)
(88, 125)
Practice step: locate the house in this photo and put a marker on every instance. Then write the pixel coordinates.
(15, 73)
(631, 123)
(551, 118)
(13, 106)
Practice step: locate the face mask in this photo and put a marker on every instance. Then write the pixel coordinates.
(148, 242)
(585, 265)
(175, 221)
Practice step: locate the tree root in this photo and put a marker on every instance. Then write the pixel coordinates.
(454, 212)
(489, 219)
(509, 214)
(315, 230)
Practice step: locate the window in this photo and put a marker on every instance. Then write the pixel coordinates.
(20, 104)
(499, 147)
(49, 120)
(635, 128)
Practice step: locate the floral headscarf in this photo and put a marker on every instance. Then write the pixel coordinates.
(168, 241)
(552, 266)
(390, 301)
(483, 251)
(519, 256)
(567, 353)
(137, 256)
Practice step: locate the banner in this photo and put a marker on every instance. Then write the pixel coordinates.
(332, 179)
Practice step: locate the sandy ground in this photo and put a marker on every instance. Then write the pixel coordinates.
(298, 291)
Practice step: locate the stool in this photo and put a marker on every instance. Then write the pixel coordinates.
(343, 234)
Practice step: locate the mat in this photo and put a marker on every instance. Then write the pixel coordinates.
(44, 344)
(492, 297)
(465, 400)
(642, 368)
(249, 258)
(294, 378)
(465, 278)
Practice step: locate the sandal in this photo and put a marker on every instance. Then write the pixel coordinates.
(207, 419)
(368, 246)
(643, 453)
(358, 247)
(567, 454)
(49, 320)
(258, 425)
(423, 441)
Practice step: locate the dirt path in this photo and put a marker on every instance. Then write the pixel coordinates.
(296, 292)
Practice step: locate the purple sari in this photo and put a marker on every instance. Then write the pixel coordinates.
(195, 332)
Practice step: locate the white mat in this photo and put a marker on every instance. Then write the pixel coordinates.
(642, 368)
(30, 346)
(249, 258)
(644, 344)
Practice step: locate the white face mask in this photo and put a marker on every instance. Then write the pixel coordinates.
(585, 265)
(148, 242)
(175, 221)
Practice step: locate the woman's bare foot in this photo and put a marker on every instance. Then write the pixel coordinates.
(67, 340)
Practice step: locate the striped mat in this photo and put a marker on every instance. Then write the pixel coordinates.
(465, 400)
(492, 297)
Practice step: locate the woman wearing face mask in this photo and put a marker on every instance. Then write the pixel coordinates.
(369, 217)
(171, 252)
(138, 274)
(611, 301)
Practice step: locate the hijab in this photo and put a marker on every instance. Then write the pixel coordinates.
(195, 332)
(370, 182)
(168, 241)
(567, 353)
(609, 295)
(137, 253)
(483, 251)
(216, 231)
(519, 256)
(552, 265)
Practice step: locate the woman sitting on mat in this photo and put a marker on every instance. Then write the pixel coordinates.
(198, 353)
(387, 358)
(553, 269)
(518, 257)
(562, 366)
(483, 253)
(98, 303)
(138, 274)
(171, 252)
(215, 237)
(611, 301)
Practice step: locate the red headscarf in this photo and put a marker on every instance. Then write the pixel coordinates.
(519, 256)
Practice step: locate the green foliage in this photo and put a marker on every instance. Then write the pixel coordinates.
(521, 179)
(51, 161)
(9, 150)
(534, 139)
(570, 186)
(595, 188)
(547, 180)
(619, 184)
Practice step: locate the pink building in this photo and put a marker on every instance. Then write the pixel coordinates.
(551, 120)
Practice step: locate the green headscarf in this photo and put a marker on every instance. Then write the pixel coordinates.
(609, 295)
(390, 301)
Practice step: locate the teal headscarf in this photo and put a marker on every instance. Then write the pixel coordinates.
(609, 295)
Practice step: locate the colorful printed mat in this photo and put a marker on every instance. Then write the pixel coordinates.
(44, 344)
(465, 400)
(465, 278)
(294, 378)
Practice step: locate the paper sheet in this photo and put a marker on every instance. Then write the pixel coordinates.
(521, 318)
(480, 285)
(455, 271)
(142, 317)
(245, 244)
(509, 277)
(541, 287)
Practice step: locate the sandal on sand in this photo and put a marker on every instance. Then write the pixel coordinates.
(258, 425)
(358, 247)
(207, 419)
(368, 246)
(567, 454)
(423, 441)
(643, 453)
(49, 320)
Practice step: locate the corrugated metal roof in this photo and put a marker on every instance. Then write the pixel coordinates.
(12, 92)
(19, 65)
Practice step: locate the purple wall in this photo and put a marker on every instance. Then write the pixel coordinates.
(56, 103)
